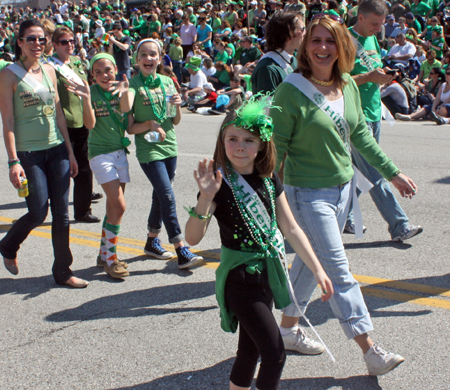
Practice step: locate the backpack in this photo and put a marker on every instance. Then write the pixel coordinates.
(411, 93)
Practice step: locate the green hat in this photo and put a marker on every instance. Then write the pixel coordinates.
(240, 3)
(174, 36)
(437, 29)
(99, 56)
(194, 63)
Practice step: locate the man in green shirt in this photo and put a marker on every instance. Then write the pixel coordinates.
(250, 53)
(427, 65)
(368, 75)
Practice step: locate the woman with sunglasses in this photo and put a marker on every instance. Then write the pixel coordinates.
(320, 117)
(69, 66)
(439, 110)
(39, 151)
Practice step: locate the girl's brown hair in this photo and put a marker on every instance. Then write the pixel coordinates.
(265, 160)
(344, 44)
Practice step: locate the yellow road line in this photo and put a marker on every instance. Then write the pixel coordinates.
(367, 290)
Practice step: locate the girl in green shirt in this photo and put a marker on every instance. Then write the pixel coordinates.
(103, 116)
(146, 102)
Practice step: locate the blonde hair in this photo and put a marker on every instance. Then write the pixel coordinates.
(345, 46)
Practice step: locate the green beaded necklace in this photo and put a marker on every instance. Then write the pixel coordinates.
(162, 116)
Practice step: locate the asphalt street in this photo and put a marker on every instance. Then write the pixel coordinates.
(159, 328)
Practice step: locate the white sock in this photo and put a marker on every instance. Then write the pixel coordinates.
(109, 262)
(286, 331)
(446, 120)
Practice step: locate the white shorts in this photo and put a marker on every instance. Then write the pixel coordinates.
(111, 166)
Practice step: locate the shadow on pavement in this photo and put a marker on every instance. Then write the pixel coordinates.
(15, 205)
(378, 244)
(217, 378)
(140, 303)
(444, 180)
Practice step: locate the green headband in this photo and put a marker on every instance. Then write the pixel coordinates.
(99, 56)
(253, 114)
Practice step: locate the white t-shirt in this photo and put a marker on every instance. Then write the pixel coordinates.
(198, 80)
(209, 72)
(99, 31)
(397, 31)
(338, 105)
(407, 48)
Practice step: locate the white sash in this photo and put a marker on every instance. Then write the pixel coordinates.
(343, 129)
(286, 66)
(64, 70)
(38, 87)
(367, 61)
(261, 218)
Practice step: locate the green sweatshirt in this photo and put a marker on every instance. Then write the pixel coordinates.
(316, 156)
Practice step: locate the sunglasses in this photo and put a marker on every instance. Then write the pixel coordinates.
(447, 74)
(65, 42)
(31, 39)
(329, 16)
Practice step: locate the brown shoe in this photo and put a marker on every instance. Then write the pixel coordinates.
(76, 282)
(116, 270)
(101, 263)
(11, 265)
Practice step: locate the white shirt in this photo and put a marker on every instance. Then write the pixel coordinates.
(397, 31)
(99, 31)
(209, 72)
(407, 48)
(198, 80)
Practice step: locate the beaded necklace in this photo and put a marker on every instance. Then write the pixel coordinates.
(258, 235)
(160, 117)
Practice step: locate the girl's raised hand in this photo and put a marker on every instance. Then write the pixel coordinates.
(122, 86)
(208, 182)
(82, 91)
(325, 284)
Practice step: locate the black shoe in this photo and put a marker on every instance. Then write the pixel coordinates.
(186, 258)
(216, 112)
(153, 248)
(96, 196)
(191, 108)
(88, 218)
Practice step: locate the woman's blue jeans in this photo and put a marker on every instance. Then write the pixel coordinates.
(48, 175)
(161, 174)
(322, 213)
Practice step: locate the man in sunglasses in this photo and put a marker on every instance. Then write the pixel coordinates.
(119, 49)
(368, 75)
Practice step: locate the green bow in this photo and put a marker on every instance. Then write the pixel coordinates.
(151, 82)
(263, 122)
(77, 63)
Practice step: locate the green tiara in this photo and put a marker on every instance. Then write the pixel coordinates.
(253, 113)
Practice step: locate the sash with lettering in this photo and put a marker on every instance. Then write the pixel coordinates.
(38, 88)
(64, 70)
(261, 218)
(342, 127)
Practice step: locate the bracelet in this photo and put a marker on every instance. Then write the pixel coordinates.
(395, 174)
(192, 213)
(13, 162)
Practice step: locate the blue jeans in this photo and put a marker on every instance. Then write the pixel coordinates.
(161, 174)
(177, 69)
(119, 76)
(48, 175)
(381, 192)
(321, 213)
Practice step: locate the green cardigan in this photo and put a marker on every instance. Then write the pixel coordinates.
(316, 156)
(230, 259)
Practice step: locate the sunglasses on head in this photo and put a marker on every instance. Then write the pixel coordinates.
(330, 16)
(31, 39)
(65, 42)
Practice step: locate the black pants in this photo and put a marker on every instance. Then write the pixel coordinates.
(82, 189)
(251, 300)
(393, 107)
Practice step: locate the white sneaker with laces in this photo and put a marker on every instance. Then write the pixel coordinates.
(299, 341)
(402, 117)
(380, 362)
(408, 233)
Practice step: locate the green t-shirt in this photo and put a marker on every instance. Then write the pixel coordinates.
(416, 26)
(233, 49)
(106, 136)
(248, 81)
(193, 19)
(215, 24)
(421, 9)
(250, 55)
(268, 75)
(223, 76)
(143, 111)
(153, 27)
(71, 104)
(176, 53)
(221, 57)
(426, 67)
(439, 42)
(33, 130)
(370, 93)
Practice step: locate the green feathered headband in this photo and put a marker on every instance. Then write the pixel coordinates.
(253, 114)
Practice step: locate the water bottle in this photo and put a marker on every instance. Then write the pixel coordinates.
(153, 136)
(170, 108)
(23, 189)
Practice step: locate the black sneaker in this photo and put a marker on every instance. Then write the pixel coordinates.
(96, 196)
(153, 248)
(186, 258)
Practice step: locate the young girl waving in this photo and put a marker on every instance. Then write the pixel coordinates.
(240, 189)
(107, 143)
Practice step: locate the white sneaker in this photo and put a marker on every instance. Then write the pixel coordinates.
(299, 341)
(351, 228)
(379, 362)
(402, 117)
(408, 233)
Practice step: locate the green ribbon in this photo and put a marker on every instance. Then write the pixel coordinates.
(151, 82)
(262, 122)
